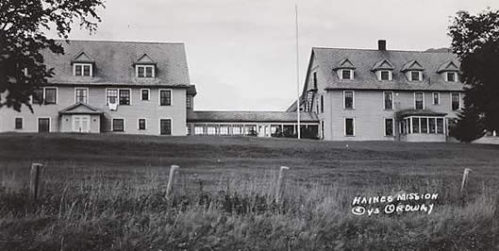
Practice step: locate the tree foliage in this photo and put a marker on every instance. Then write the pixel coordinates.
(23, 24)
(469, 125)
(475, 40)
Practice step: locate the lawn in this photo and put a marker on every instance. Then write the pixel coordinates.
(107, 192)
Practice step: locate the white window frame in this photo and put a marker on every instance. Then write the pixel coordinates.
(390, 75)
(148, 94)
(82, 69)
(38, 123)
(137, 66)
(447, 76)
(345, 127)
(459, 101)
(349, 70)
(414, 102)
(393, 101)
(393, 127)
(117, 94)
(138, 124)
(56, 94)
(22, 123)
(88, 94)
(433, 98)
(131, 95)
(171, 126)
(353, 100)
(80, 116)
(112, 124)
(171, 97)
(420, 76)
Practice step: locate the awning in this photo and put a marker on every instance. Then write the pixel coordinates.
(413, 112)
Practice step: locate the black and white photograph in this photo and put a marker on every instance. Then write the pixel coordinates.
(249, 125)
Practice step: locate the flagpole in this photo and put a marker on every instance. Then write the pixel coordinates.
(297, 75)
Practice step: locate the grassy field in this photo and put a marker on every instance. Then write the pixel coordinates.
(106, 192)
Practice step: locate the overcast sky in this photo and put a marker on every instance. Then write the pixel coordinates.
(241, 53)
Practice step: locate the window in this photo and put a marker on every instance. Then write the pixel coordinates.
(415, 125)
(81, 95)
(19, 123)
(322, 104)
(144, 94)
(385, 75)
(415, 76)
(124, 97)
(440, 125)
(418, 100)
(50, 96)
(44, 125)
(211, 130)
(424, 125)
(83, 70)
(455, 101)
(436, 98)
(38, 96)
(388, 98)
(346, 74)
(315, 80)
(112, 96)
(388, 127)
(145, 71)
(431, 125)
(118, 125)
(188, 101)
(348, 99)
(451, 76)
(142, 124)
(165, 97)
(224, 130)
(165, 126)
(198, 130)
(349, 127)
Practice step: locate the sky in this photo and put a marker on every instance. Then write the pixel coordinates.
(242, 53)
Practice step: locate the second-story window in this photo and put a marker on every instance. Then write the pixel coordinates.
(124, 97)
(82, 70)
(436, 98)
(165, 97)
(419, 101)
(144, 93)
(145, 71)
(188, 101)
(37, 96)
(112, 96)
(315, 80)
(81, 95)
(388, 98)
(455, 101)
(348, 99)
(50, 95)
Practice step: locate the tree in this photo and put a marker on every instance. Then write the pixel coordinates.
(475, 40)
(23, 24)
(469, 125)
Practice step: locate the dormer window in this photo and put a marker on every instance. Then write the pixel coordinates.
(383, 70)
(345, 69)
(144, 71)
(145, 67)
(416, 75)
(451, 77)
(83, 65)
(82, 70)
(347, 74)
(385, 75)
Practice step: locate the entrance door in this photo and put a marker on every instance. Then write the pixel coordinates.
(165, 126)
(43, 125)
(81, 123)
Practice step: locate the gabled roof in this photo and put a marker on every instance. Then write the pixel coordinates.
(145, 59)
(448, 66)
(383, 64)
(365, 79)
(344, 64)
(114, 63)
(412, 65)
(82, 57)
(80, 108)
(249, 116)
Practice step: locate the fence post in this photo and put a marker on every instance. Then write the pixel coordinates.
(35, 180)
(280, 183)
(171, 179)
(465, 178)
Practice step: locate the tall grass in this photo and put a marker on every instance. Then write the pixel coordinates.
(237, 211)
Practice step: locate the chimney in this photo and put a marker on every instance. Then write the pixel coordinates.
(382, 45)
